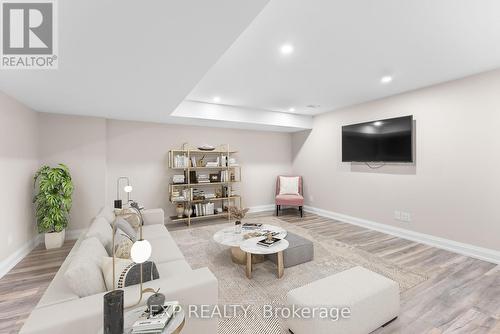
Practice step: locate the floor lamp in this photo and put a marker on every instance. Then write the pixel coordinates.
(141, 250)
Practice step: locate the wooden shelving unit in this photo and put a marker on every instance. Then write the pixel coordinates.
(223, 154)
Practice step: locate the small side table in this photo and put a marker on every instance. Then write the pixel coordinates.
(174, 326)
(250, 247)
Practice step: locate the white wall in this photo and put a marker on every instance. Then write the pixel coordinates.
(453, 190)
(98, 151)
(79, 143)
(139, 150)
(18, 164)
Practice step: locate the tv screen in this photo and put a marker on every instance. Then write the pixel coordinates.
(387, 140)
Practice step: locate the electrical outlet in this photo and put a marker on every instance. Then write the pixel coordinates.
(406, 217)
(397, 215)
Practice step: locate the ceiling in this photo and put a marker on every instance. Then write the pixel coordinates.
(150, 62)
(342, 49)
(130, 59)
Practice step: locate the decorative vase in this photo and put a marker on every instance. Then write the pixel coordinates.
(237, 227)
(180, 210)
(188, 212)
(113, 312)
(54, 239)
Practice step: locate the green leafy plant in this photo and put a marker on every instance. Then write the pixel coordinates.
(53, 190)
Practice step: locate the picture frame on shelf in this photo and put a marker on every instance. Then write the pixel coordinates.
(214, 177)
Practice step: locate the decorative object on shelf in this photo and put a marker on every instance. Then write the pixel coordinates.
(201, 162)
(215, 177)
(54, 188)
(179, 210)
(155, 302)
(127, 188)
(113, 312)
(206, 147)
(188, 212)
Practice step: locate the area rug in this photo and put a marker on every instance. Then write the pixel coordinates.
(330, 256)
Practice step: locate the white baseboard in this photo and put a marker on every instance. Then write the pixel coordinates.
(14, 258)
(261, 208)
(480, 253)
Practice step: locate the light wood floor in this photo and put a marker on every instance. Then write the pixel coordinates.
(462, 294)
(24, 285)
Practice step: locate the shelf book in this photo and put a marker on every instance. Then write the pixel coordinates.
(204, 183)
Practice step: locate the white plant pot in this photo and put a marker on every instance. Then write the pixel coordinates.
(54, 239)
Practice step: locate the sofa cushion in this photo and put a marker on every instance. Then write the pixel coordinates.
(107, 213)
(293, 200)
(84, 275)
(58, 290)
(101, 229)
(164, 250)
(173, 268)
(156, 231)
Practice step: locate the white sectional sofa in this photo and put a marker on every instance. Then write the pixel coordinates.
(62, 311)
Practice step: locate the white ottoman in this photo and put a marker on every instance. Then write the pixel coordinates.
(373, 301)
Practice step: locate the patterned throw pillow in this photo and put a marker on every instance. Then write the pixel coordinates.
(127, 272)
(123, 244)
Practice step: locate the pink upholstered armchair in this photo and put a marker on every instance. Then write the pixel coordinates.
(291, 194)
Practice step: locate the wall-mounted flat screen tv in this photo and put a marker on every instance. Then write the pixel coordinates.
(386, 140)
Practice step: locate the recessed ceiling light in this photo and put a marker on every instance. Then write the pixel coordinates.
(386, 79)
(286, 49)
(291, 109)
(377, 123)
(216, 99)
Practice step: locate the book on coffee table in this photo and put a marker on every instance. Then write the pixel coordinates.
(266, 243)
(251, 226)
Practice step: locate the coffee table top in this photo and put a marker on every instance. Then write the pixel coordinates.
(228, 237)
(251, 246)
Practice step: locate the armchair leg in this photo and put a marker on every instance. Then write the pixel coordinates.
(277, 212)
(301, 211)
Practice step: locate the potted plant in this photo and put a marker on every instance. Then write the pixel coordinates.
(53, 190)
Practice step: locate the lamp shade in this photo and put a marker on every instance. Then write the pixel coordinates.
(140, 251)
(128, 189)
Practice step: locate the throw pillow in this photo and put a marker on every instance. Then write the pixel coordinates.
(84, 274)
(289, 185)
(131, 217)
(101, 229)
(127, 272)
(123, 244)
(125, 226)
(107, 213)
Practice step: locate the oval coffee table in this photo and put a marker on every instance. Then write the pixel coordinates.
(251, 247)
(228, 237)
